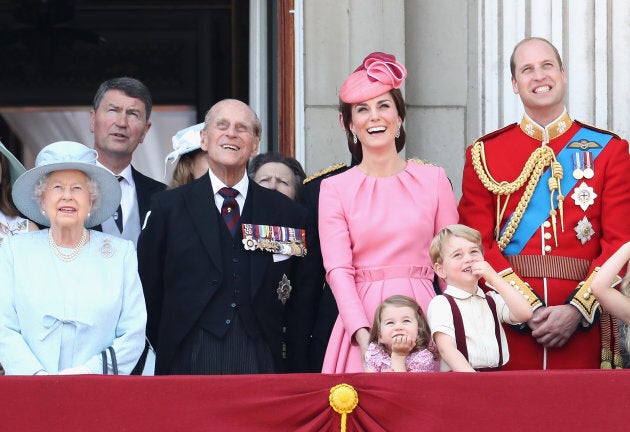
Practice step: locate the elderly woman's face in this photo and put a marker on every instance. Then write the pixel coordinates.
(278, 176)
(66, 199)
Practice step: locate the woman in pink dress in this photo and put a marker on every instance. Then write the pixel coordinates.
(377, 219)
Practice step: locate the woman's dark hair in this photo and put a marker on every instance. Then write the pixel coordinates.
(292, 163)
(346, 114)
(6, 201)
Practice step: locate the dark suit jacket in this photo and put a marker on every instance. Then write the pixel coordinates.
(327, 311)
(180, 264)
(145, 188)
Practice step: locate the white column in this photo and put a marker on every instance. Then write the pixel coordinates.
(592, 37)
(298, 32)
(580, 60)
(619, 97)
(258, 74)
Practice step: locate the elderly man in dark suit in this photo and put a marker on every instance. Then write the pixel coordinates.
(119, 121)
(222, 264)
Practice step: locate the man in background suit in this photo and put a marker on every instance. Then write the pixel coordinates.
(217, 300)
(119, 121)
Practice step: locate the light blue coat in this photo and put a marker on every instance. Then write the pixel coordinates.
(55, 315)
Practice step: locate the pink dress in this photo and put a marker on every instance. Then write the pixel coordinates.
(375, 235)
(377, 360)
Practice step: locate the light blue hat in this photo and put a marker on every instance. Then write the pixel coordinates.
(67, 155)
(15, 166)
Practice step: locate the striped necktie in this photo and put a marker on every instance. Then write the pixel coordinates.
(229, 209)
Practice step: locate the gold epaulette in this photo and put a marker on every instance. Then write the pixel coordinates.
(419, 161)
(325, 171)
(512, 278)
(495, 133)
(588, 126)
(584, 300)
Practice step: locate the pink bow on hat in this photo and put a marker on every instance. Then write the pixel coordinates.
(378, 73)
(383, 67)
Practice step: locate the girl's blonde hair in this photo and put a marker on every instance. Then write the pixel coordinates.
(424, 334)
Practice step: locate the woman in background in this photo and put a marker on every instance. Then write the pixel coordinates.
(192, 161)
(11, 222)
(276, 171)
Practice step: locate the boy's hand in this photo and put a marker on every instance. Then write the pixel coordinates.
(483, 269)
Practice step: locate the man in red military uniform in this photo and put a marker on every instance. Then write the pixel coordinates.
(550, 198)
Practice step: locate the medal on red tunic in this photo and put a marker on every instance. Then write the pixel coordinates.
(584, 230)
(588, 165)
(584, 196)
(578, 173)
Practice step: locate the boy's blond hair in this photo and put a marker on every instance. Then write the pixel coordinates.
(456, 230)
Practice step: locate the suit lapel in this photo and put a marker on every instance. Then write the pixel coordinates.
(145, 188)
(204, 214)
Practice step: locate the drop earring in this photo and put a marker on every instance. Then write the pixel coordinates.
(398, 133)
(354, 138)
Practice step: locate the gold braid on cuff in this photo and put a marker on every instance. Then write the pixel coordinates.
(512, 278)
(584, 300)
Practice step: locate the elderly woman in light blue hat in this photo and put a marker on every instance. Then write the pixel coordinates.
(192, 161)
(11, 222)
(85, 295)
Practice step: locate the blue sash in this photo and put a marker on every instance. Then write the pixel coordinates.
(538, 210)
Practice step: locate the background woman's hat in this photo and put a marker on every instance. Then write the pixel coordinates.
(67, 155)
(184, 141)
(15, 167)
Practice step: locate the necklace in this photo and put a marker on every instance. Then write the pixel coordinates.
(75, 251)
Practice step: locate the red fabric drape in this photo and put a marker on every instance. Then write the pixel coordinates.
(534, 400)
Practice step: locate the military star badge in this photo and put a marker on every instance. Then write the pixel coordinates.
(584, 196)
(584, 230)
(284, 289)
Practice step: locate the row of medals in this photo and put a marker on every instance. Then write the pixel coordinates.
(583, 195)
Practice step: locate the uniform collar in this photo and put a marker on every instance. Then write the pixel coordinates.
(549, 132)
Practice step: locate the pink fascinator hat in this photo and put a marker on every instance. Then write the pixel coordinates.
(378, 73)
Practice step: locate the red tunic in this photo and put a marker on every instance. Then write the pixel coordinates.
(506, 153)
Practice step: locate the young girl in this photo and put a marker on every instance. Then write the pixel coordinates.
(606, 278)
(399, 339)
